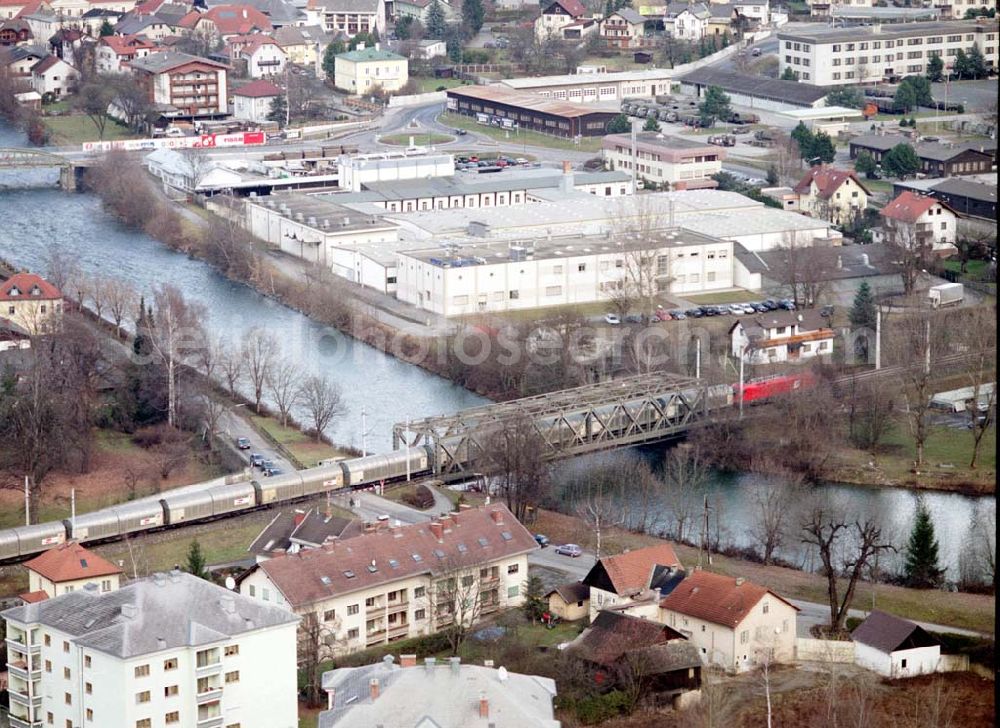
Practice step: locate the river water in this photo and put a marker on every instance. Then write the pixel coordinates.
(36, 215)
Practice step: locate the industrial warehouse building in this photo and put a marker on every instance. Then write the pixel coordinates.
(592, 87)
(755, 92)
(502, 107)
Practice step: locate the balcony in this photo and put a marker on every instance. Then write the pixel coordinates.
(20, 669)
(399, 630)
(16, 722)
(214, 722)
(443, 619)
(213, 693)
(375, 609)
(398, 606)
(18, 645)
(374, 638)
(489, 582)
(209, 669)
(489, 607)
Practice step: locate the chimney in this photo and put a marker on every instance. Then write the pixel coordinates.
(373, 688)
(161, 644)
(456, 665)
(175, 574)
(740, 579)
(567, 167)
(484, 707)
(497, 517)
(407, 660)
(437, 529)
(244, 12)
(566, 182)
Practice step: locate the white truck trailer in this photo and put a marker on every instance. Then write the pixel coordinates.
(947, 294)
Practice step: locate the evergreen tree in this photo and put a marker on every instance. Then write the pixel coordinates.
(106, 29)
(905, 98)
(788, 74)
(609, 8)
(279, 110)
(453, 43)
(437, 26)
(406, 26)
(772, 175)
(534, 598)
(619, 125)
(850, 97)
(196, 561)
(863, 310)
(935, 69)
(651, 125)
(369, 39)
(823, 149)
(330, 57)
(805, 139)
(921, 569)
(715, 105)
(961, 67)
(901, 161)
(865, 164)
(977, 63)
(473, 15)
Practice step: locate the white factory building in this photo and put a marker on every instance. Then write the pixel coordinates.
(411, 164)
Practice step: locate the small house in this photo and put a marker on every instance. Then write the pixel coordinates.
(569, 602)
(616, 580)
(895, 647)
(781, 336)
(918, 221)
(66, 568)
(832, 194)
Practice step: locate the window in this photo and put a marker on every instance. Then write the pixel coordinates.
(49, 718)
(142, 671)
(67, 698)
(66, 673)
(352, 634)
(370, 601)
(329, 615)
(557, 270)
(48, 666)
(944, 225)
(88, 688)
(253, 590)
(171, 663)
(902, 663)
(232, 650)
(513, 295)
(744, 636)
(765, 608)
(172, 717)
(170, 691)
(467, 580)
(352, 609)
(581, 267)
(513, 591)
(420, 614)
(512, 568)
(232, 677)
(90, 713)
(142, 697)
(144, 723)
(65, 646)
(553, 290)
(47, 638)
(86, 660)
(418, 592)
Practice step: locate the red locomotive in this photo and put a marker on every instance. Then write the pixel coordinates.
(759, 390)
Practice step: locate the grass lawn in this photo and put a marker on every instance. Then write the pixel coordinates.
(429, 85)
(398, 494)
(879, 186)
(78, 128)
(709, 299)
(520, 137)
(403, 140)
(974, 268)
(300, 446)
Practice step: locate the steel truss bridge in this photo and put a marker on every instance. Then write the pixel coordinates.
(31, 158)
(631, 411)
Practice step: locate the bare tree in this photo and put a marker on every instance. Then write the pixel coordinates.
(980, 334)
(685, 475)
(259, 352)
(318, 644)
(804, 270)
(322, 401)
(176, 334)
(213, 410)
(911, 250)
(771, 501)
(913, 343)
(833, 532)
(457, 596)
(283, 381)
(518, 459)
(870, 412)
(641, 269)
(231, 366)
(121, 299)
(601, 505)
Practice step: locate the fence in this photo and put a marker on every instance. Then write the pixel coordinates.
(953, 663)
(810, 650)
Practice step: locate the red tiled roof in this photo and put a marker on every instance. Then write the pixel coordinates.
(633, 570)
(26, 283)
(29, 8)
(149, 7)
(33, 597)
(258, 89)
(574, 7)
(716, 598)
(45, 64)
(127, 45)
(248, 43)
(909, 206)
(71, 561)
(611, 635)
(473, 536)
(233, 19)
(828, 180)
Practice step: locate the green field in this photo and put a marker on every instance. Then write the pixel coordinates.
(429, 85)
(76, 129)
(520, 137)
(301, 447)
(974, 268)
(403, 140)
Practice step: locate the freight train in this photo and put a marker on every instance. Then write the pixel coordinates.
(218, 500)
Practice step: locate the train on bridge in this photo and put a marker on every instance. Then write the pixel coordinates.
(214, 500)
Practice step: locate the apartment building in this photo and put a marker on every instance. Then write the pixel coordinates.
(664, 160)
(68, 567)
(957, 8)
(349, 17)
(844, 56)
(364, 70)
(195, 86)
(919, 221)
(170, 651)
(396, 582)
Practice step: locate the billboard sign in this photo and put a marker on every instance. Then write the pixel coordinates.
(202, 141)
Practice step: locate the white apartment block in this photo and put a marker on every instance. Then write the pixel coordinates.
(957, 8)
(171, 651)
(397, 582)
(511, 275)
(847, 56)
(664, 160)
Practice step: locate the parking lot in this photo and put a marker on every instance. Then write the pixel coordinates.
(749, 308)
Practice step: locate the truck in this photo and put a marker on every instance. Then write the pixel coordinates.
(946, 294)
(722, 140)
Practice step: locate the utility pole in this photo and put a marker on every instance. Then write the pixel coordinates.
(634, 155)
(72, 510)
(697, 359)
(927, 349)
(878, 338)
(407, 450)
(364, 432)
(27, 502)
(742, 355)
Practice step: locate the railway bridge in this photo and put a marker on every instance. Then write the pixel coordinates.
(70, 168)
(631, 411)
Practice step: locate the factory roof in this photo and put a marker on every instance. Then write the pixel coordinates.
(500, 95)
(163, 612)
(789, 92)
(650, 74)
(302, 207)
(864, 32)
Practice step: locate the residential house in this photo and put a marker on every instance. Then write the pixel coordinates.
(420, 50)
(620, 579)
(937, 159)
(31, 302)
(781, 336)
(292, 531)
(349, 17)
(619, 647)
(65, 43)
(668, 161)
(734, 623)
(436, 695)
(304, 45)
(43, 23)
(968, 197)
(691, 22)
(919, 221)
(195, 86)
(556, 15)
(364, 70)
(281, 13)
(624, 28)
(260, 54)
(94, 19)
(402, 581)
(895, 647)
(153, 27)
(569, 602)
(225, 21)
(173, 649)
(54, 77)
(723, 20)
(69, 567)
(756, 11)
(19, 60)
(115, 52)
(832, 194)
(254, 101)
(11, 8)
(15, 32)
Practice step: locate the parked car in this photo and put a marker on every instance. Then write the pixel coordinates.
(771, 304)
(694, 313)
(569, 549)
(759, 307)
(612, 318)
(786, 304)
(243, 443)
(633, 318)
(662, 315)
(542, 540)
(748, 308)
(826, 311)
(268, 472)
(521, 160)
(678, 315)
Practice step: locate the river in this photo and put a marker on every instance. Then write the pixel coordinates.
(36, 217)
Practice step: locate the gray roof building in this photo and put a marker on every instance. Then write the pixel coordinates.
(788, 92)
(839, 34)
(888, 633)
(162, 612)
(309, 529)
(436, 695)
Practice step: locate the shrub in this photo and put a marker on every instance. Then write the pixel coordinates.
(600, 708)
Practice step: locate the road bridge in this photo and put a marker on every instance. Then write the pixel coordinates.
(630, 411)
(21, 158)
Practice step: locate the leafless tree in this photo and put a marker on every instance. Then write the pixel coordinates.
(788, 160)
(719, 704)
(685, 475)
(457, 596)
(259, 352)
(132, 101)
(283, 380)
(980, 333)
(518, 459)
(977, 559)
(176, 335)
(771, 503)
(322, 401)
(121, 300)
(207, 356)
(804, 270)
(835, 533)
(601, 505)
(229, 246)
(641, 270)
(231, 366)
(870, 412)
(318, 644)
(213, 411)
(911, 250)
(914, 341)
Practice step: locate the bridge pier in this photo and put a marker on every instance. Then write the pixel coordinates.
(67, 178)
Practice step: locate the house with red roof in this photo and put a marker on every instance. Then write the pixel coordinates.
(253, 101)
(66, 568)
(226, 21)
(258, 53)
(15, 32)
(734, 623)
(195, 87)
(115, 52)
(916, 221)
(637, 578)
(559, 14)
(31, 302)
(832, 194)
